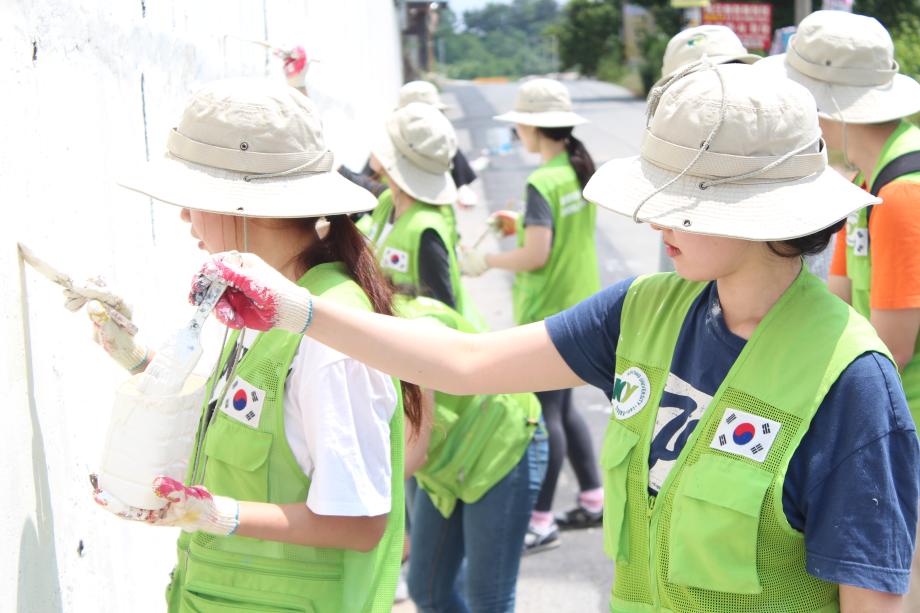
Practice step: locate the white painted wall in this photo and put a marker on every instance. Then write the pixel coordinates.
(68, 119)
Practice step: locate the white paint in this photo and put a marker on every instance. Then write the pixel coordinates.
(69, 120)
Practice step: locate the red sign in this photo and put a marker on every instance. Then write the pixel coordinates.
(753, 23)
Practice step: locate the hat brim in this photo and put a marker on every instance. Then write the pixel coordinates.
(875, 104)
(427, 187)
(744, 58)
(547, 119)
(202, 188)
(758, 211)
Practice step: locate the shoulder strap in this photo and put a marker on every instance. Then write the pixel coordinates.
(905, 164)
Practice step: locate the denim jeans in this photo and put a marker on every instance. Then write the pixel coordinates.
(489, 533)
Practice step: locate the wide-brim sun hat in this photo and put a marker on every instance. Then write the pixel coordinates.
(544, 103)
(420, 91)
(719, 44)
(251, 148)
(730, 152)
(417, 153)
(847, 62)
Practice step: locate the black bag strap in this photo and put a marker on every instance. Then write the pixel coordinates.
(904, 164)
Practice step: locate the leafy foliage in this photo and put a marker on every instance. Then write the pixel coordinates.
(589, 34)
(499, 39)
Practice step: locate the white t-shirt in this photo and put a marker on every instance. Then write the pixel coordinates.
(337, 415)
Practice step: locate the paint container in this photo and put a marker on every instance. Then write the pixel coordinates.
(149, 436)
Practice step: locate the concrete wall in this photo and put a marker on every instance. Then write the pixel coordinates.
(86, 85)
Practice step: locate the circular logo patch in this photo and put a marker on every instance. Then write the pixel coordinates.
(631, 392)
(743, 434)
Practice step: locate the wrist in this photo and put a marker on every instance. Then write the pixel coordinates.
(225, 518)
(296, 311)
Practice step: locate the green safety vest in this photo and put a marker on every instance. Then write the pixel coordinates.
(475, 440)
(904, 139)
(570, 274)
(252, 461)
(398, 250)
(716, 539)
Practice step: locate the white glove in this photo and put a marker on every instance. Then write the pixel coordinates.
(472, 262)
(191, 508)
(466, 196)
(113, 336)
(258, 297)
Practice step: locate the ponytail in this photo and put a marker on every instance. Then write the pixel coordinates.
(345, 243)
(579, 157)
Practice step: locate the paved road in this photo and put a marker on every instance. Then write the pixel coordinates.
(577, 576)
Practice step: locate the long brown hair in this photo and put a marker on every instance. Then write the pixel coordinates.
(579, 157)
(345, 243)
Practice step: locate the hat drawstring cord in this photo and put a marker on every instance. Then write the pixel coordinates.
(846, 154)
(760, 171)
(653, 99)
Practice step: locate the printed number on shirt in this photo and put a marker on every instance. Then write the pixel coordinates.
(395, 259)
(243, 402)
(746, 435)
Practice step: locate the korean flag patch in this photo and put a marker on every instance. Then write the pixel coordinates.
(746, 435)
(395, 259)
(243, 402)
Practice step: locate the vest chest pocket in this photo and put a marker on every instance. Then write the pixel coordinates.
(237, 460)
(619, 442)
(714, 525)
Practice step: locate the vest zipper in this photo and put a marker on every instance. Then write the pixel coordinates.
(652, 550)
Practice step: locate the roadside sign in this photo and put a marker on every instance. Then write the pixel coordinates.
(689, 4)
(751, 22)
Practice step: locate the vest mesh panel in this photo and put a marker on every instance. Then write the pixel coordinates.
(781, 565)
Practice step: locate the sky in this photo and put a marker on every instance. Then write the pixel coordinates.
(458, 6)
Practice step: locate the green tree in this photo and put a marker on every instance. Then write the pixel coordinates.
(588, 32)
(892, 13)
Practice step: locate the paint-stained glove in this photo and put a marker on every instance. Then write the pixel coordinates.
(257, 297)
(472, 262)
(503, 222)
(295, 65)
(116, 337)
(191, 508)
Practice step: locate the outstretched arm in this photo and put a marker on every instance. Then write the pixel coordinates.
(521, 359)
(516, 360)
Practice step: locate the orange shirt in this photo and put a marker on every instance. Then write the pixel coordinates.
(894, 246)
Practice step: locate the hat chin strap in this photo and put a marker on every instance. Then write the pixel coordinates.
(846, 153)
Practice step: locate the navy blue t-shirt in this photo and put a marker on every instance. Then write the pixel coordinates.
(853, 484)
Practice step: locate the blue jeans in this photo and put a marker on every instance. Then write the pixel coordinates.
(488, 533)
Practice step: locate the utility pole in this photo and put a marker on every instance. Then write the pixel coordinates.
(802, 10)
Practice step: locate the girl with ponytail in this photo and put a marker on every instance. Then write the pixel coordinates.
(555, 266)
(294, 497)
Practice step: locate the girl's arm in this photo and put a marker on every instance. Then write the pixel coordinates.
(859, 600)
(533, 255)
(296, 523)
(521, 359)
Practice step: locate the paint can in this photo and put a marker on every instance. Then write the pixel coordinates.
(149, 436)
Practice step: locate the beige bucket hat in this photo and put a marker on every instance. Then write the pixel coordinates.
(719, 44)
(252, 148)
(420, 91)
(847, 62)
(730, 152)
(417, 153)
(544, 103)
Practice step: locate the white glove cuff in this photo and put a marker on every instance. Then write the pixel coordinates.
(295, 310)
(225, 517)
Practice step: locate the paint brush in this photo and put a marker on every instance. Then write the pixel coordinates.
(54, 275)
(174, 361)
